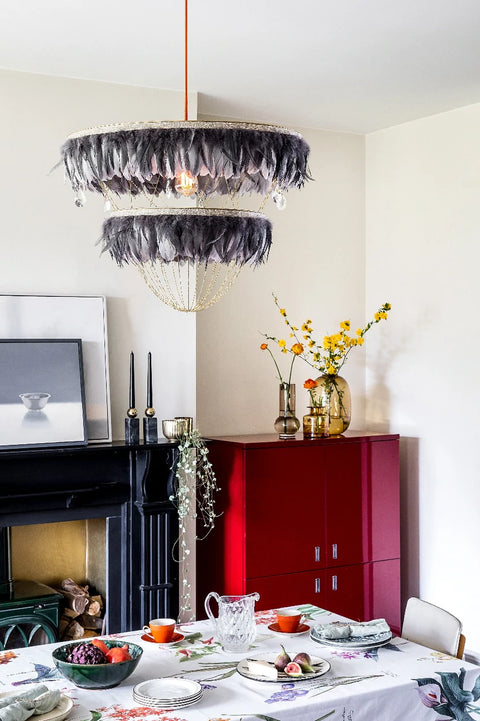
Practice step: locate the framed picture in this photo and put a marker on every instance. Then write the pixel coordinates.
(68, 316)
(42, 398)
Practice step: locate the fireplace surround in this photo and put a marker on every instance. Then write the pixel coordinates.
(129, 486)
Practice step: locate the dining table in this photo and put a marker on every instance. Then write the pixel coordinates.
(396, 681)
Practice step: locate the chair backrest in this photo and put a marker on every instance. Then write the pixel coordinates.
(432, 626)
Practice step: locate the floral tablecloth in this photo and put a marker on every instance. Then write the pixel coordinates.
(397, 682)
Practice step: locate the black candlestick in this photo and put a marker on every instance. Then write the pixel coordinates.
(132, 381)
(132, 423)
(149, 382)
(150, 426)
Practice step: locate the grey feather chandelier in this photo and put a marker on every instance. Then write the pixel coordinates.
(189, 256)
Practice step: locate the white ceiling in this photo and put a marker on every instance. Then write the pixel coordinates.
(354, 65)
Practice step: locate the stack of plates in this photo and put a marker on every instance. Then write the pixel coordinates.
(167, 693)
(366, 643)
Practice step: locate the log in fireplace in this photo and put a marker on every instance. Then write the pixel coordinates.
(130, 487)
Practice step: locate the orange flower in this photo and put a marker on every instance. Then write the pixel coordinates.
(264, 346)
(297, 348)
(310, 383)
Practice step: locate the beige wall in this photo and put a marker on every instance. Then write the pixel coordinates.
(423, 220)
(316, 268)
(48, 245)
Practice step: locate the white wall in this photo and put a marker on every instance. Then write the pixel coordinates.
(49, 246)
(422, 244)
(316, 268)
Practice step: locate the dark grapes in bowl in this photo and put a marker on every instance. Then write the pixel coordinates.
(97, 664)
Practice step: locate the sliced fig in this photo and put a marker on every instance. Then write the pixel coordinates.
(282, 660)
(293, 669)
(304, 661)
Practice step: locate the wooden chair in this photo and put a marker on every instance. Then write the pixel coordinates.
(432, 626)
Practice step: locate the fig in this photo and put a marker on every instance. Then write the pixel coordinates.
(293, 669)
(282, 660)
(304, 661)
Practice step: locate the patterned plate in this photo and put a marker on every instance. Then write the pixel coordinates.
(319, 665)
(366, 642)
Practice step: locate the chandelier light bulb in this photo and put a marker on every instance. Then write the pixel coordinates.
(186, 184)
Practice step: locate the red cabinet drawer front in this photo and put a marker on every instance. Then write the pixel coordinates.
(288, 590)
(339, 590)
(384, 498)
(284, 510)
(382, 597)
(343, 501)
(344, 591)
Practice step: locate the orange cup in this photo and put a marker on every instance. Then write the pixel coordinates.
(161, 629)
(288, 619)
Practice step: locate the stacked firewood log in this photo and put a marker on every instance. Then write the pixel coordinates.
(82, 615)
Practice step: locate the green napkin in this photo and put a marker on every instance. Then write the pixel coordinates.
(35, 701)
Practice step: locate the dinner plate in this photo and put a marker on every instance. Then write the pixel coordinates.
(167, 689)
(319, 665)
(176, 638)
(168, 703)
(302, 628)
(58, 713)
(365, 642)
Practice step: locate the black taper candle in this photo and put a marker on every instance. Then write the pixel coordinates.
(132, 381)
(149, 383)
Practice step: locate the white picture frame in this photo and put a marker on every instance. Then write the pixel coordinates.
(56, 317)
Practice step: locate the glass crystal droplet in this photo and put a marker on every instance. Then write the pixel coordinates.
(279, 199)
(80, 198)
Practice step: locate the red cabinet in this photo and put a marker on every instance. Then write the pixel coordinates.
(307, 522)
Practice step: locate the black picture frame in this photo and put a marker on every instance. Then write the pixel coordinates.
(42, 393)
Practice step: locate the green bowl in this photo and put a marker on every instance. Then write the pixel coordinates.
(102, 675)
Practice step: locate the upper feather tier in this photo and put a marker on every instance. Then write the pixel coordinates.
(226, 158)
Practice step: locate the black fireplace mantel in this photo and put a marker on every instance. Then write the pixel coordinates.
(129, 486)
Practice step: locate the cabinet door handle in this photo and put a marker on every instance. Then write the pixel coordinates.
(317, 585)
(334, 550)
(317, 554)
(334, 583)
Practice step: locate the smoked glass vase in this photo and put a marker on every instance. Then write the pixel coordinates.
(333, 391)
(287, 424)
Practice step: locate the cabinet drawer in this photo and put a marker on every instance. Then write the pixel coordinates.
(340, 590)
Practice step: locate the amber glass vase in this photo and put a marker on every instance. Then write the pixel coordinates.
(316, 423)
(287, 424)
(333, 391)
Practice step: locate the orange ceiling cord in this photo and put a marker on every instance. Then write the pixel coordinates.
(186, 59)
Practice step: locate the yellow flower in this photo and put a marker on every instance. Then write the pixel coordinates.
(283, 312)
(377, 316)
(297, 348)
(331, 370)
(345, 324)
(282, 343)
(387, 306)
(361, 341)
(359, 331)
